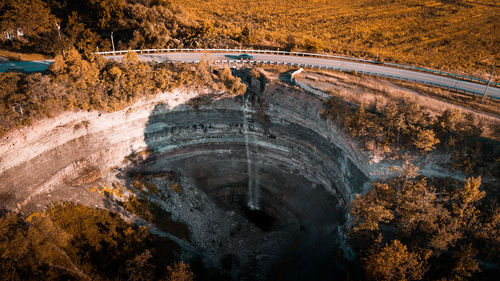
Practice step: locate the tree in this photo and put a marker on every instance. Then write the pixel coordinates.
(232, 84)
(31, 246)
(439, 229)
(335, 109)
(82, 38)
(101, 14)
(465, 264)
(180, 271)
(465, 202)
(425, 140)
(368, 213)
(453, 127)
(394, 262)
(155, 26)
(246, 35)
(31, 17)
(141, 268)
(49, 243)
(108, 11)
(394, 121)
(312, 44)
(363, 124)
(130, 59)
(99, 245)
(291, 42)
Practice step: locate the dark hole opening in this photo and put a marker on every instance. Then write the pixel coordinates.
(260, 218)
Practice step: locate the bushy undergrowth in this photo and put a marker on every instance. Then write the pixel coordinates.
(73, 83)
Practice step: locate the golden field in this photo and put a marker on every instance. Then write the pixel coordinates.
(455, 35)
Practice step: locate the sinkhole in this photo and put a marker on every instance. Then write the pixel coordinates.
(265, 181)
(277, 176)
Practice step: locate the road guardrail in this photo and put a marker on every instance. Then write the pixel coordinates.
(318, 55)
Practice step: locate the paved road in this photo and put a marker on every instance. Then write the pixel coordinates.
(372, 69)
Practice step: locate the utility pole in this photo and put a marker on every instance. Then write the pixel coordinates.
(489, 81)
(60, 39)
(112, 42)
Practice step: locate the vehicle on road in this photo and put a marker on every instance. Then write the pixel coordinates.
(245, 57)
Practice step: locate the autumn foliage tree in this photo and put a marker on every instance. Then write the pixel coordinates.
(425, 140)
(403, 126)
(410, 229)
(460, 134)
(98, 245)
(232, 84)
(398, 124)
(394, 262)
(86, 25)
(454, 127)
(32, 18)
(179, 271)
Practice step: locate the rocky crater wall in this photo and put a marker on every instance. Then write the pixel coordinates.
(292, 152)
(261, 172)
(212, 145)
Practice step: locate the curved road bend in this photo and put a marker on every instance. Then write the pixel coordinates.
(367, 68)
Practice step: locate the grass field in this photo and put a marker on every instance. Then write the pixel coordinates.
(455, 35)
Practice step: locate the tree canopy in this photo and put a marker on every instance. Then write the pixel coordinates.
(413, 228)
(99, 245)
(87, 25)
